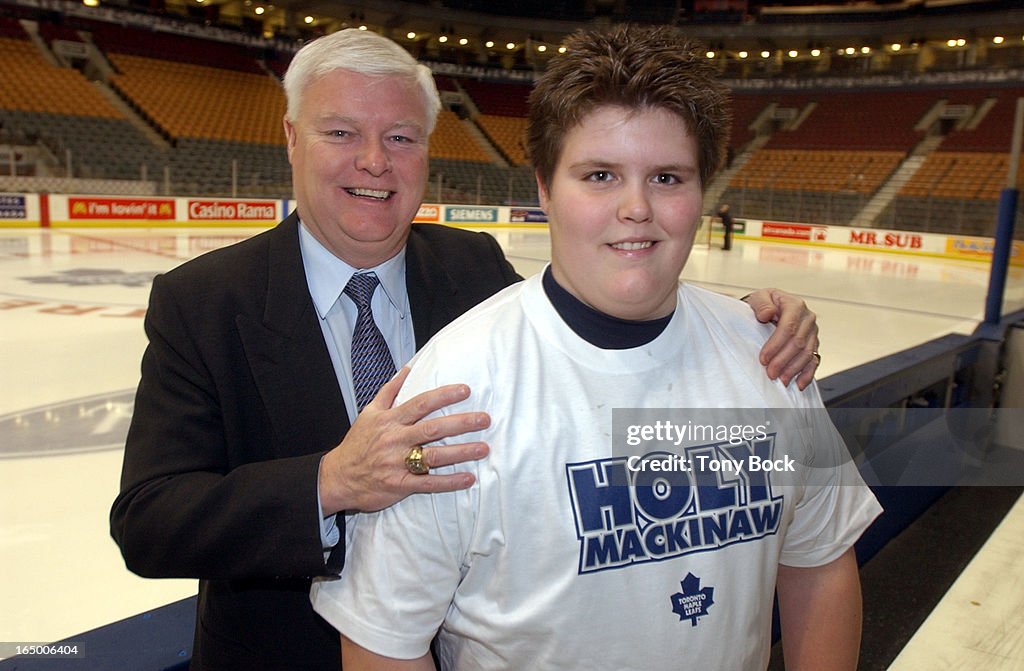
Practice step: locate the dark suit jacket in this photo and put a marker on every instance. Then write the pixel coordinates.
(237, 403)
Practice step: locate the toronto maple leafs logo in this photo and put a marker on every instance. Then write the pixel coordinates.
(82, 277)
(693, 601)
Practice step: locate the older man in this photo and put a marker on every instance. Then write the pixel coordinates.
(245, 443)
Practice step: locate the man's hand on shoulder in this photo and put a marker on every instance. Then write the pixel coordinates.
(367, 470)
(792, 350)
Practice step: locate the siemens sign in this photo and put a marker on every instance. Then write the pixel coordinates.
(462, 214)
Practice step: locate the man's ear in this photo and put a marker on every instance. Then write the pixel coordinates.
(289, 133)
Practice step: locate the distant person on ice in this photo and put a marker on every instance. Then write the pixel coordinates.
(727, 224)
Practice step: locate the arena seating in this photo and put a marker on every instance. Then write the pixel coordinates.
(224, 124)
(960, 174)
(503, 108)
(828, 149)
(796, 174)
(959, 184)
(505, 99)
(113, 38)
(278, 65)
(10, 28)
(195, 101)
(993, 133)
(31, 84)
(99, 147)
(826, 168)
(58, 31)
(60, 110)
(452, 140)
(745, 110)
(220, 106)
(508, 133)
(474, 182)
(445, 83)
(972, 162)
(207, 167)
(818, 170)
(810, 184)
(840, 120)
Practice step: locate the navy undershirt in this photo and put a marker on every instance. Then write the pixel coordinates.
(596, 327)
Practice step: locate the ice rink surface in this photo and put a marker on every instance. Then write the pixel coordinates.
(71, 309)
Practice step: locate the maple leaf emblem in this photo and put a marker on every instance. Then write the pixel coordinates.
(693, 601)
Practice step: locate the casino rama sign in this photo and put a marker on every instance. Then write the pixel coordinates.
(199, 210)
(463, 214)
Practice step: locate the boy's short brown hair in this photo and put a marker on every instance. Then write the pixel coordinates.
(635, 67)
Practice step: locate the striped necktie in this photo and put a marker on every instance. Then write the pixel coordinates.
(372, 364)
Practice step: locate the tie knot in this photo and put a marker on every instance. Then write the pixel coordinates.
(361, 287)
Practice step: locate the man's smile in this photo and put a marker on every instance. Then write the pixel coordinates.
(375, 194)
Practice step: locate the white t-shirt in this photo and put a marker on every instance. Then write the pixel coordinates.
(548, 562)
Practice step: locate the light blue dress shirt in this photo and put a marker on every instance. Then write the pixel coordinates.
(326, 276)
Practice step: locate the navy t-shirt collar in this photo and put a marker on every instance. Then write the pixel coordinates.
(598, 328)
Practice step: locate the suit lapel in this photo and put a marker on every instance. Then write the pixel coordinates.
(286, 351)
(288, 357)
(431, 289)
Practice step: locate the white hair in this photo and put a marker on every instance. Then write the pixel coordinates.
(363, 52)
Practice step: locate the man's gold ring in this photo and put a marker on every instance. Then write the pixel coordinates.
(816, 356)
(415, 462)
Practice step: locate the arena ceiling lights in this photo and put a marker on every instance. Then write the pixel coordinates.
(427, 30)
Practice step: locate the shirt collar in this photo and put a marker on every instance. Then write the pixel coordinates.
(327, 275)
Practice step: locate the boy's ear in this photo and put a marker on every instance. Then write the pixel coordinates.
(542, 192)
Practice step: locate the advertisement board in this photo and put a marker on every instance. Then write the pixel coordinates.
(19, 210)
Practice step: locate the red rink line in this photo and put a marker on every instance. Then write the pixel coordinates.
(145, 248)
